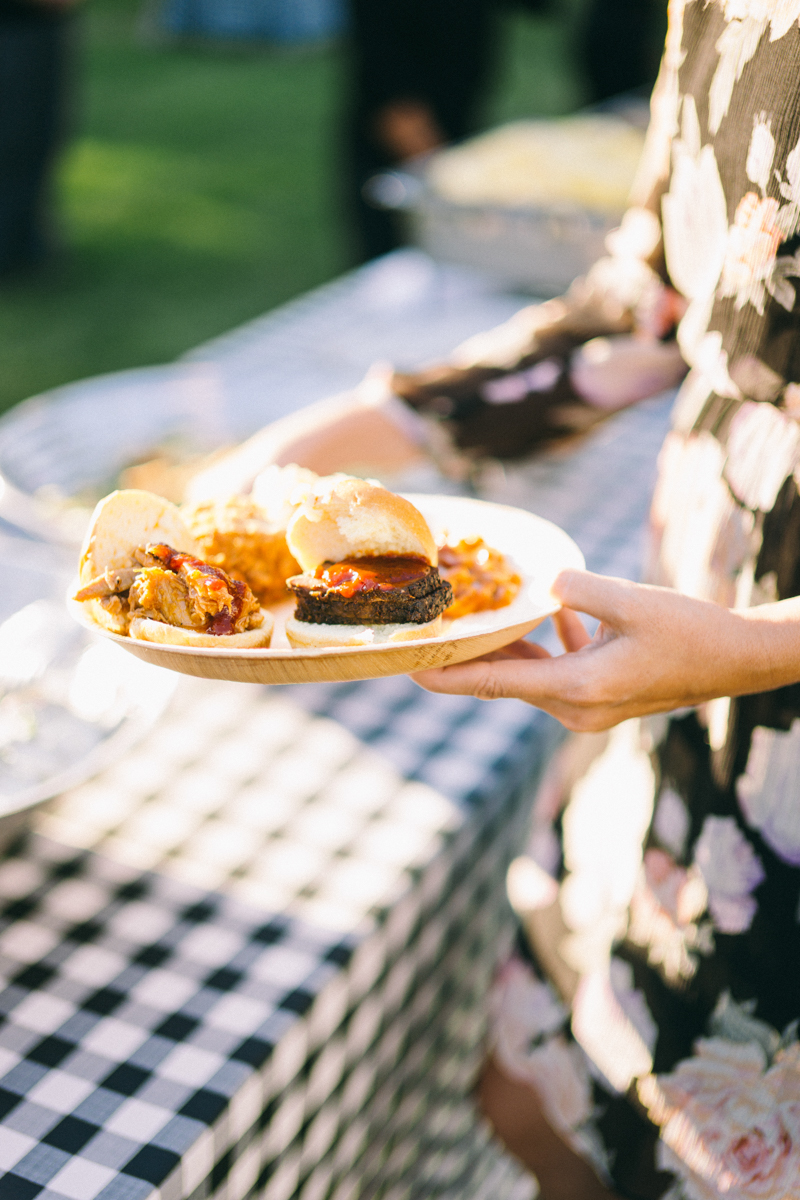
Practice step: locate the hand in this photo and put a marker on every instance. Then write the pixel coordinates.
(655, 650)
(613, 372)
(407, 128)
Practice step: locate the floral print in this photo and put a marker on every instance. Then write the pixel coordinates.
(676, 902)
(731, 871)
(603, 829)
(763, 449)
(530, 1044)
(752, 268)
(695, 226)
(730, 1121)
(751, 255)
(768, 790)
(664, 916)
(671, 822)
(747, 21)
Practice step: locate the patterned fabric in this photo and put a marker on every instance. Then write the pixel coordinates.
(314, 1023)
(369, 815)
(674, 937)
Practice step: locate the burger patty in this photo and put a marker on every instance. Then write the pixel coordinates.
(413, 603)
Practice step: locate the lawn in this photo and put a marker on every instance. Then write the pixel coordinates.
(200, 190)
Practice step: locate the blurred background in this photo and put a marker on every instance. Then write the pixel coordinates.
(207, 163)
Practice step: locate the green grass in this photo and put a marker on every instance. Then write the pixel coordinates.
(201, 190)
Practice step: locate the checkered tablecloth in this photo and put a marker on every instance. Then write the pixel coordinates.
(253, 955)
(251, 958)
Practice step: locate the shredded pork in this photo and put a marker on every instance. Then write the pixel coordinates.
(176, 589)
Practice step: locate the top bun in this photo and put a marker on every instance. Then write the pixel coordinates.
(279, 491)
(126, 520)
(357, 519)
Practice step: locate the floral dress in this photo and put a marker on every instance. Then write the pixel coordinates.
(665, 918)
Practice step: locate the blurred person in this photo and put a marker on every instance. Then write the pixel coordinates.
(35, 37)
(649, 1047)
(419, 71)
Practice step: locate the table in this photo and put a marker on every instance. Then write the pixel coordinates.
(252, 957)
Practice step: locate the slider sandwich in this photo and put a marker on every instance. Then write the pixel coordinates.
(142, 574)
(369, 566)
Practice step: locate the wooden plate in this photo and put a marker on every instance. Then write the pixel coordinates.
(538, 549)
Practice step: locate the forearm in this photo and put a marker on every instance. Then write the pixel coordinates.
(363, 439)
(770, 647)
(341, 433)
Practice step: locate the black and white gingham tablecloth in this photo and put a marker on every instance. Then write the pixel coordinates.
(251, 958)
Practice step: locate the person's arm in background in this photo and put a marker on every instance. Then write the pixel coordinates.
(559, 355)
(553, 370)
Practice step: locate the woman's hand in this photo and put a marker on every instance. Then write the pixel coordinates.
(613, 372)
(654, 650)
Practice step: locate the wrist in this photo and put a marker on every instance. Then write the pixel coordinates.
(766, 645)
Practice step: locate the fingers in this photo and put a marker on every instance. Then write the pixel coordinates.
(519, 649)
(475, 678)
(445, 679)
(537, 679)
(598, 595)
(571, 630)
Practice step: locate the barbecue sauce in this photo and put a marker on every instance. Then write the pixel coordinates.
(379, 573)
(224, 621)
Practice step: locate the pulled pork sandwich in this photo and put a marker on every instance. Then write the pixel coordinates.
(141, 573)
(369, 569)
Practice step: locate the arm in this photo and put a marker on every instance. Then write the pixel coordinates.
(655, 650)
(352, 432)
(484, 401)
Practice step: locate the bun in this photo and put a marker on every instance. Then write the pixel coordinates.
(128, 519)
(304, 635)
(355, 519)
(122, 523)
(148, 630)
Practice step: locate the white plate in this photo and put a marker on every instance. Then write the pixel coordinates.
(537, 548)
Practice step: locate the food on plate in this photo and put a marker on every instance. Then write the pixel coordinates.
(369, 565)
(481, 578)
(237, 536)
(142, 574)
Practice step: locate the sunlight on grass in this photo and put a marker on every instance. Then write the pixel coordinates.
(202, 189)
(155, 195)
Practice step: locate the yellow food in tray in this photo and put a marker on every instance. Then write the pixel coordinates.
(587, 162)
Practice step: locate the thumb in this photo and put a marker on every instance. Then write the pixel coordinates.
(599, 596)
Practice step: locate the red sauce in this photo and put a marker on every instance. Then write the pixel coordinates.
(380, 573)
(224, 621)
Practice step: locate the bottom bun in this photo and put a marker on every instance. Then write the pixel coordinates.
(148, 630)
(305, 634)
(114, 622)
